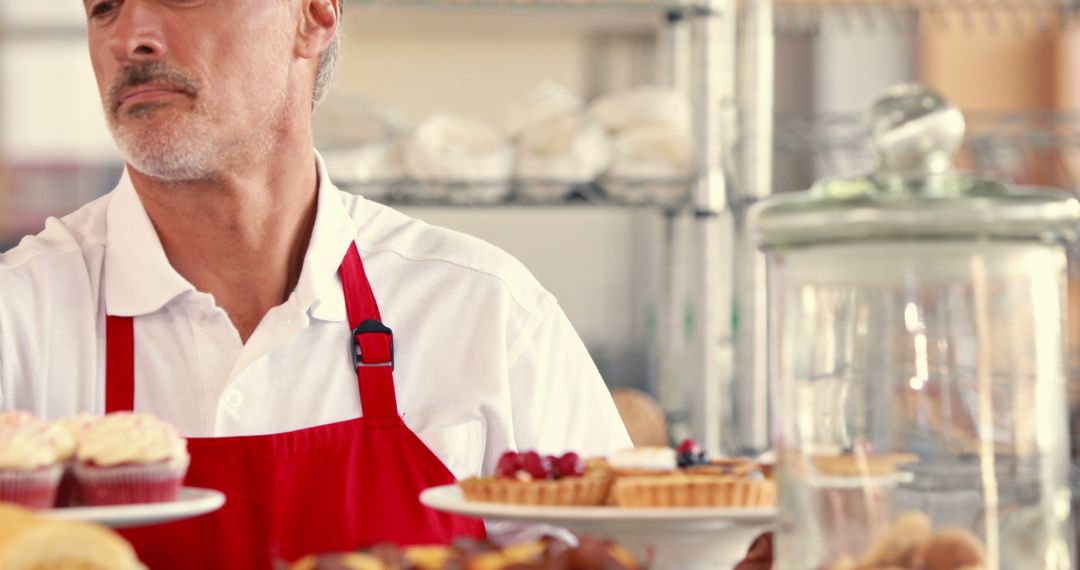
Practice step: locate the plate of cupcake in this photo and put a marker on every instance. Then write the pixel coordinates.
(190, 502)
(687, 510)
(121, 470)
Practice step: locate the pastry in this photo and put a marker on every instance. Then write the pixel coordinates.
(908, 543)
(67, 494)
(130, 458)
(30, 466)
(644, 461)
(760, 554)
(692, 459)
(533, 479)
(643, 416)
(468, 554)
(686, 477)
(901, 543)
(29, 542)
(683, 490)
(348, 561)
(852, 464)
(952, 549)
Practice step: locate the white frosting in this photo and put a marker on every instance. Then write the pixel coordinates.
(62, 442)
(452, 148)
(644, 106)
(570, 148)
(540, 104)
(77, 426)
(131, 438)
(645, 459)
(28, 443)
(18, 419)
(25, 450)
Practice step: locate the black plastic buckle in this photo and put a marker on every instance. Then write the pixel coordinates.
(371, 326)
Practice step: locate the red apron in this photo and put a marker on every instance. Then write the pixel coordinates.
(329, 488)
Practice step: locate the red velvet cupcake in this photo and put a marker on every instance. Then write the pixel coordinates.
(130, 458)
(29, 466)
(75, 426)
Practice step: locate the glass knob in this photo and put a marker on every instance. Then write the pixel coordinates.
(915, 132)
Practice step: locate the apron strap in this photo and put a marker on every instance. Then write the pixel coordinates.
(372, 341)
(372, 345)
(119, 364)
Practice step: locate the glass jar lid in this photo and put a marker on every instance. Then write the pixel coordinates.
(913, 193)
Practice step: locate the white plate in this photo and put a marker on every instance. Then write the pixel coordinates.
(677, 538)
(192, 502)
(449, 498)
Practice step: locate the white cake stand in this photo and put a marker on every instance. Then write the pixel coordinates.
(191, 502)
(677, 538)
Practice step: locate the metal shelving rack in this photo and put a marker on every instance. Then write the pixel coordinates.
(708, 44)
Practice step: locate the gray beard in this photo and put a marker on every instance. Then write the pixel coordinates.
(173, 152)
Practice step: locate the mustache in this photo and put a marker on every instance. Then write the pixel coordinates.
(157, 72)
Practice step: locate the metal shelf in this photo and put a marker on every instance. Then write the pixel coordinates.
(808, 16)
(671, 6)
(671, 194)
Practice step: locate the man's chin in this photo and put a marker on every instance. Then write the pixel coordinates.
(165, 160)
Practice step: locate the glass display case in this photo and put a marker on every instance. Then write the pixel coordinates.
(917, 348)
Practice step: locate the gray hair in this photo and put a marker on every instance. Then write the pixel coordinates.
(324, 76)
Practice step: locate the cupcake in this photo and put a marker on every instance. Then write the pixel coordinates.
(533, 479)
(29, 468)
(128, 458)
(75, 427)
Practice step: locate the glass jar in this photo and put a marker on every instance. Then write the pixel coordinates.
(917, 353)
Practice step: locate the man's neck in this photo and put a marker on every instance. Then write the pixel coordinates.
(241, 236)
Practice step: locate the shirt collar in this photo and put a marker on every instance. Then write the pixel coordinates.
(138, 276)
(139, 279)
(319, 289)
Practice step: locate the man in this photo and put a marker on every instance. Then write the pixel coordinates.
(328, 357)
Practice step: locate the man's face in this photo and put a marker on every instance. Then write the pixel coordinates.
(191, 87)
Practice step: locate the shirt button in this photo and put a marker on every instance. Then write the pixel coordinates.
(233, 398)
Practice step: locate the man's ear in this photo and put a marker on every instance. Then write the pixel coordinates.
(319, 21)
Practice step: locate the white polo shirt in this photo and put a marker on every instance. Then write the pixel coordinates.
(486, 359)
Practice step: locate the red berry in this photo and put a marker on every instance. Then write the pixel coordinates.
(536, 465)
(553, 461)
(570, 465)
(688, 446)
(508, 465)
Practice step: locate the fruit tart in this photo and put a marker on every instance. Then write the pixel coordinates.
(533, 479)
(686, 477)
